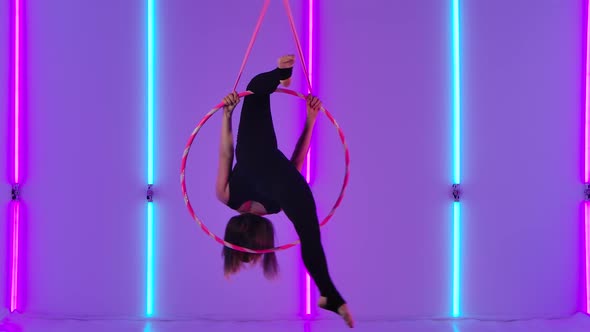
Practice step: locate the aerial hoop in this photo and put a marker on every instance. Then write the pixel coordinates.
(281, 247)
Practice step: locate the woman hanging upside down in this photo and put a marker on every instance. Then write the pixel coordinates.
(264, 181)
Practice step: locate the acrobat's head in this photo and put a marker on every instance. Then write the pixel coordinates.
(254, 232)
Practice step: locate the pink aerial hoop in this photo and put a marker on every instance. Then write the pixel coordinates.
(281, 247)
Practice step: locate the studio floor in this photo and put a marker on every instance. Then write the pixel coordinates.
(25, 323)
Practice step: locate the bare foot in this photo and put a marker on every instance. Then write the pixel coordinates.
(342, 311)
(286, 61)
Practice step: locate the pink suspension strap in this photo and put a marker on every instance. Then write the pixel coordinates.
(297, 42)
(255, 34)
(252, 40)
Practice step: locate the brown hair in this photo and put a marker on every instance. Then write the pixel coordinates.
(253, 232)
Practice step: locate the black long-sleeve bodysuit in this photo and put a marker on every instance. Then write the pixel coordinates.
(263, 174)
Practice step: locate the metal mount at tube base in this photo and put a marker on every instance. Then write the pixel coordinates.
(150, 193)
(15, 192)
(456, 192)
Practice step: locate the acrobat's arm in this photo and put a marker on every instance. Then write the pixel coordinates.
(302, 146)
(226, 148)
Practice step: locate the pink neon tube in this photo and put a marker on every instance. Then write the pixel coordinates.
(587, 257)
(310, 64)
(587, 161)
(16, 90)
(16, 210)
(308, 159)
(587, 106)
(14, 272)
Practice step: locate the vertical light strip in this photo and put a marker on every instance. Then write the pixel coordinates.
(150, 155)
(456, 159)
(587, 102)
(16, 157)
(17, 19)
(587, 161)
(456, 258)
(150, 89)
(310, 34)
(14, 272)
(587, 254)
(456, 96)
(148, 327)
(150, 261)
(307, 294)
(310, 18)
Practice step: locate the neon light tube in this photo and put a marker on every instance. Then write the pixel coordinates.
(148, 327)
(308, 165)
(307, 294)
(456, 96)
(310, 68)
(587, 161)
(310, 19)
(587, 256)
(15, 247)
(150, 285)
(150, 261)
(456, 257)
(14, 268)
(456, 311)
(150, 90)
(17, 36)
(587, 103)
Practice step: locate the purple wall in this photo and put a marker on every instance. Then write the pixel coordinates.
(521, 158)
(383, 70)
(523, 98)
(201, 49)
(85, 182)
(388, 85)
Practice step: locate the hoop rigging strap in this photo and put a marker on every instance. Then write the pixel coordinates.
(255, 34)
(252, 40)
(297, 42)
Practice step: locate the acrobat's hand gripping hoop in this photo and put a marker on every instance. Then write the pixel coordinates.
(241, 95)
